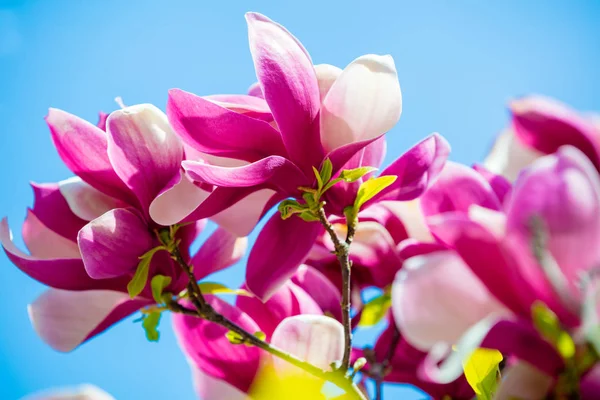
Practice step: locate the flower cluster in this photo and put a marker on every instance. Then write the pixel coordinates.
(486, 276)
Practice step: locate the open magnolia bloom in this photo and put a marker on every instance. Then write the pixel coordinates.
(541, 125)
(300, 116)
(527, 259)
(291, 319)
(88, 235)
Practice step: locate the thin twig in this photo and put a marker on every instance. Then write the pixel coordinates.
(342, 253)
(206, 311)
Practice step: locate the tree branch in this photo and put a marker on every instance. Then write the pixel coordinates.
(342, 250)
(206, 311)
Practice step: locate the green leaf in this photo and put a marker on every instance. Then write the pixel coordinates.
(289, 207)
(234, 338)
(545, 321)
(150, 323)
(318, 176)
(261, 335)
(158, 284)
(351, 216)
(352, 175)
(310, 199)
(138, 282)
(218, 288)
(326, 170)
(370, 188)
(308, 216)
(375, 310)
(481, 371)
(565, 345)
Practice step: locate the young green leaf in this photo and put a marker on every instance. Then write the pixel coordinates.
(326, 170)
(359, 364)
(158, 284)
(351, 215)
(545, 321)
(308, 216)
(318, 176)
(138, 282)
(261, 335)
(370, 188)
(150, 323)
(565, 345)
(375, 310)
(289, 207)
(481, 371)
(352, 175)
(310, 199)
(218, 288)
(234, 338)
(330, 184)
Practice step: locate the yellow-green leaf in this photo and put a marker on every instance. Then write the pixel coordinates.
(326, 170)
(218, 288)
(138, 282)
(481, 371)
(150, 323)
(289, 207)
(352, 175)
(318, 176)
(545, 321)
(565, 345)
(158, 284)
(371, 188)
(234, 337)
(375, 310)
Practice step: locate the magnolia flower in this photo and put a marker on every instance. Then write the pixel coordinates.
(539, 126)
(557, 199)
(304, 115)
(86, 234)
(288, 319)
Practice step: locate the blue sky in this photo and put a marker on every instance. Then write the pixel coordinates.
(458, 64)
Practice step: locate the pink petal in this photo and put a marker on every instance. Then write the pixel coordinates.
(102, 117)
(410, 215)
(236, 209)
(85, 201)
(416, 169)
(509, 156)
(214, 129)
(326, 75)
(144, 150)
(564, 191)
(500, 185)
(172, 205)
(523, 381)
(545, 125)
(436, 298)
(112, 243)
(83, 148)
(364, 102)
(290, 86)
(256, 90)
(276, 171)
(206, 345)
(221, 250)
(274, 258)
(54, 212)
(456, 189)
(287, 301)
(61, 273)
(65, 319)
(45, 244)
(325, 293)
(316, 339)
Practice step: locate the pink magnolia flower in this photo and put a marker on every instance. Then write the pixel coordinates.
(496, 241)
(539, 126)
(301, 115)
(221, 370)
(86, 234)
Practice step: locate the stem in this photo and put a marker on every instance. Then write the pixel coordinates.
(206, 311)
(342, 253)
(381, 369)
